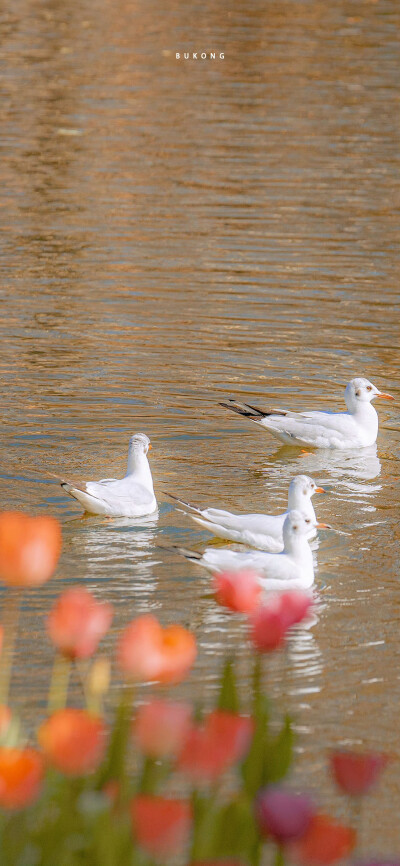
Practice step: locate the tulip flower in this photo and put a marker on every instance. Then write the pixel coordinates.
(324, 842)
(216, 745)
(283, 815)
(239, 591)
(355, 772)
(21, 773)
(5, 719)
(161, 826)
(268, 626)
(73, 741)
(147, 652)
(78, 622)
(161, 727)
(29, 548)
(295, 605)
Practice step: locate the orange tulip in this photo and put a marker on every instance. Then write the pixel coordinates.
(5, 718)
(214, 746)
(147, 652)
(161, 727)
(29, 548)
(21, 773)
(161, 826)
(356, 772)
(324, 842)
(78, 622)
(73, 741)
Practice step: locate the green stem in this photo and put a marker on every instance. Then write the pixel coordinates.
(257, 677)
(10, 620)
(58, 691)
(279, 856)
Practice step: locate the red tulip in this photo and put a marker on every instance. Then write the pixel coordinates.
(73, 741)
(147, 652)
(238, 590)
(282, 814)
(29, 548)
(5, 718)
(324, 842)
(355, 773)
(161, 826)
(161, 727)
(215, 745)
(295, 605)
(78, 622)
(21, 773)
(267, 626)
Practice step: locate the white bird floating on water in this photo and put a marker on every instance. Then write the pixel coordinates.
(292, 568)
(132, 496)
(356, 428)
(262, 531)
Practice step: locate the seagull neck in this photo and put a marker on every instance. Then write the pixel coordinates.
(305, 506)
(298, 547)
(138, 465)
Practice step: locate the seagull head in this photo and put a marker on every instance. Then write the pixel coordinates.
(301, 489)
(139, 444)
(362, 391)
(297, 526)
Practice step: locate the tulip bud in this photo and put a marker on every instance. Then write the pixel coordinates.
(282, 814)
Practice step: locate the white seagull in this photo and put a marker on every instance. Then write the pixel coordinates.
(132, 496)
(262, 531)
(292, 568)
(356, 428)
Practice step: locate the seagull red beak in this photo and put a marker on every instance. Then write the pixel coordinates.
(385, 396)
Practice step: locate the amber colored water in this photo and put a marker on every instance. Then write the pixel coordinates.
(174, 233)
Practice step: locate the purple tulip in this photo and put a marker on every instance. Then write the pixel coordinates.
(283, 814)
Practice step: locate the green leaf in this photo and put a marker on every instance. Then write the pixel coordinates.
(228, 697)
(237, 836)
(253, 765)
(278, 755)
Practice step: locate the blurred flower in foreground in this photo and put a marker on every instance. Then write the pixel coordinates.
(161, 726)
(324, 842)
(282, 814)
(240, 591)
(161, 826)
(5, 719)
(29, 548)
(78, 622)
(295, 605)
(73, 741)
(217, 863)
(148, 652)
(270, 622)
(1, 638)
(355, 773)
(21, 773)
(215, 745)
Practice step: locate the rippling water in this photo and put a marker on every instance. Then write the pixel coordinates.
(174, 233)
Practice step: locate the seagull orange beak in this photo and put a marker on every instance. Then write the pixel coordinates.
(385, 396)
(320, 490)
(323, 526)
(150, 446)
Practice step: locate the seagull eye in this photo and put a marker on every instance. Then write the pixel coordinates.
(369, 387)
(308, 520)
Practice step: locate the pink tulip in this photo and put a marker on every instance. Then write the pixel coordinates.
(295, 605)
(161, 727)
(161, 826)
(282, 814)
(239, 591)
(267, 626)
(147, 651)
(214, 746)
(355, 773)
(78, 622)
